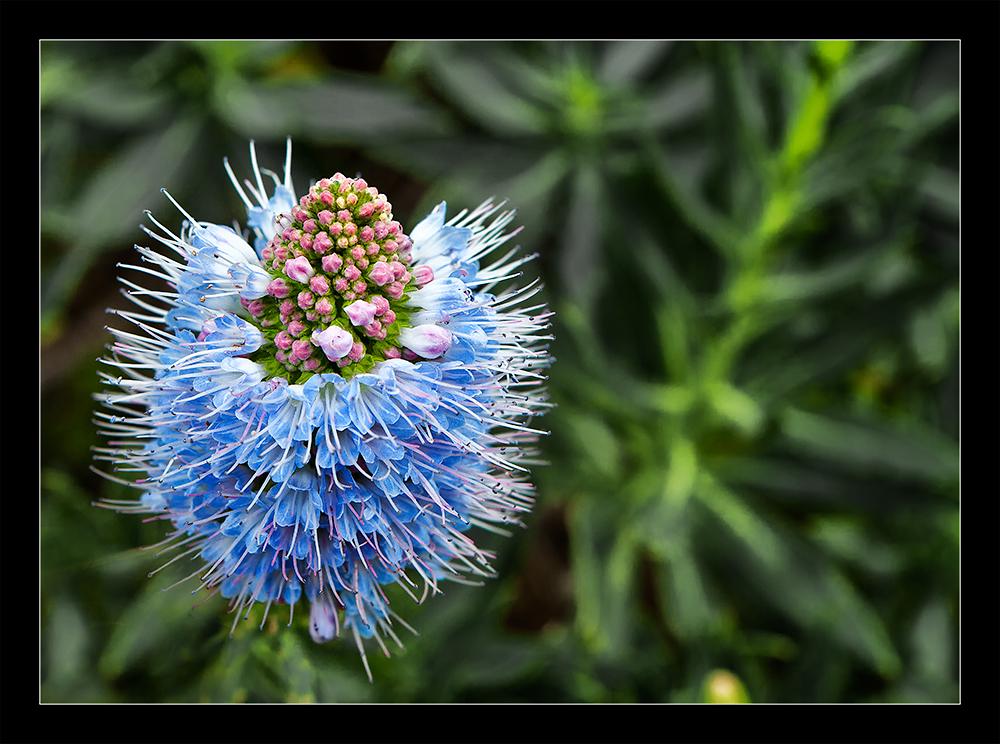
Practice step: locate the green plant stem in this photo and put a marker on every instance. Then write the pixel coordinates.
(804, 137)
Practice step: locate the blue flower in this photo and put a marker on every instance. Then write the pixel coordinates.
(329, 410)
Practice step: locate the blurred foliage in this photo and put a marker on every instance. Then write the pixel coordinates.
(752, 249)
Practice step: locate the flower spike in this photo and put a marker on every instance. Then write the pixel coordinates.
(325, 404)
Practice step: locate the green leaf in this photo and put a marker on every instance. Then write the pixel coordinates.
(934, 640)
(345, 108)
(799, 583)
(941, 191)
(628, 62)
(682, 471)
(686, 97)
(871, 62)
(599, 450)
(235, 55)
(111, 205)
(468, 75)
(851, 543)
(580, 269)
(737, 407)
(683, 589)
(700, 215)
(604, 568)
(840, 273)
(868, 445)
(157, 628)
(109, 99)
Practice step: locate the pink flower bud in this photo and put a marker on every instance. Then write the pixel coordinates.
(357, 351)
(278, 288)
(423, 275)
(299, 269)
(322, 242)
(332, 263)
(361, 312)
(429, 341)
(381, 273)
(324, 306)
(397, 269)
(319, 284)
(381, 304)
(334, 341)
(375, 330)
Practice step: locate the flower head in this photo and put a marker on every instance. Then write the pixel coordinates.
(330, 409)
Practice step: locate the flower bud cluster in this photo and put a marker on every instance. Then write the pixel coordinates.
(340, 268)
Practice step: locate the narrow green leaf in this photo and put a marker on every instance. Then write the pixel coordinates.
(683, 591)
(736, 406)
(349, 108)
(604, 569)
(112, 203)
(872, 62)
(466, 75)
(684, 98)
(693, 206)
(626, 62)
(681, 471)
(154, 629)
(799, 583)
(876, 446)
(587, 574)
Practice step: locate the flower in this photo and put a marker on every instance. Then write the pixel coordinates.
(329, 408)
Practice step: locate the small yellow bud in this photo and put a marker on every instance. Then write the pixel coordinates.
(722, 686)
